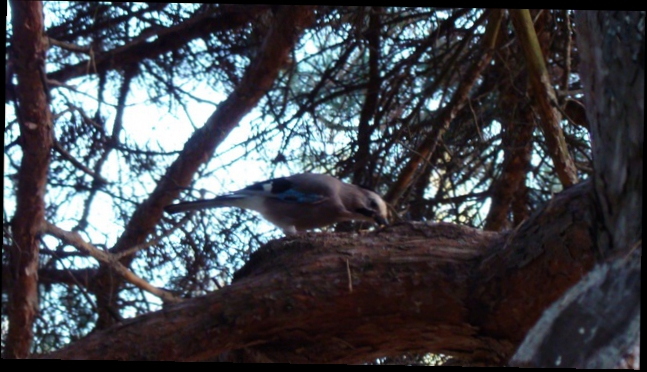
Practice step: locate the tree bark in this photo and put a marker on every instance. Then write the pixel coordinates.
(517, 125)
(593, 325)
(34, 117)
(343, 298)
(598, 321)
(613, 72)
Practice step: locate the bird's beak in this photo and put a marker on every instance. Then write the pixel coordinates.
(381, 220)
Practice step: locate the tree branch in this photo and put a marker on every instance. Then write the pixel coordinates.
(415, 288)
(448, 113)
(76, 277)
(259, 77)
(77, 164)
(228, 17)
(545, 97)
(75, 240)
(518, 127)
(361, 173)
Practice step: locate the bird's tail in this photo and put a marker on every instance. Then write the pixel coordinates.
(220, 201)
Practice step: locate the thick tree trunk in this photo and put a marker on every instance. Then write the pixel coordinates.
(612, 45)
(597, 321)
(29, 47)
(346, 299)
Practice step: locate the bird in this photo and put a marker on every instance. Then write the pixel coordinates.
(300, 202)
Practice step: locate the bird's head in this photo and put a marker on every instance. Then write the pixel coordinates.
(372, 207)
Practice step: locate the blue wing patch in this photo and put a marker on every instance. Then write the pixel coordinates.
(282, 189)
(293, 195)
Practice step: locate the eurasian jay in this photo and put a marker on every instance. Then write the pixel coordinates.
(300, 202)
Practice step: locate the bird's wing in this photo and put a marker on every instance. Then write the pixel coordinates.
(302, 189)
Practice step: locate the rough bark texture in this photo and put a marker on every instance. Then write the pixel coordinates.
(613, 71)
(259, 77)
(346, 299)
(597, 322)
(594, 325)
(35, 120)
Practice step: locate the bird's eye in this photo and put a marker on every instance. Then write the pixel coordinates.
(372, 204)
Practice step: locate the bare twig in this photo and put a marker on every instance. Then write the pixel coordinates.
(59, 148)
(75, 240)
